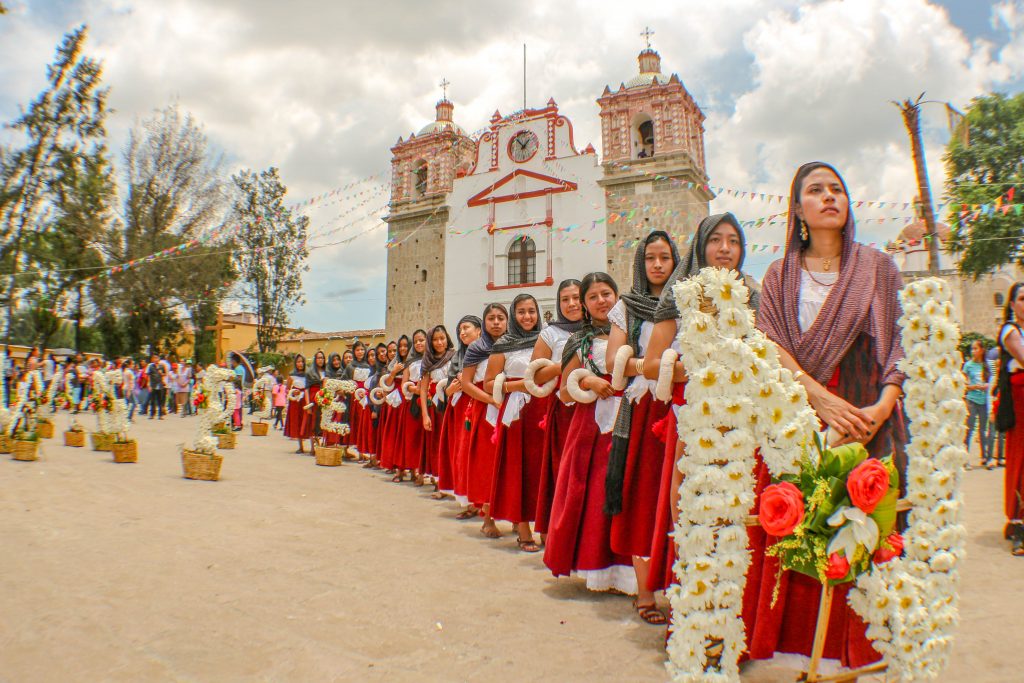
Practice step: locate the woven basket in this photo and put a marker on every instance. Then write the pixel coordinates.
(26, 450)
(226, 441)
(259, 428)
(201, 465)
(126, 451)
(45, 429)
(102, 441)
(6, 444)
(74, 439)
(328, 456)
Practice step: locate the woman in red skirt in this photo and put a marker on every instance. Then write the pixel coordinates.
(518, 450)
(478, 450)
(314, 381)
(358, 371)
(433, 368)
(1011, 375)
(298, 423)
(410, 425)
(453, 430)
(389, 447)
(831, 306)
(385, 353)
(579, 533)
(638, 454)
(547, 364)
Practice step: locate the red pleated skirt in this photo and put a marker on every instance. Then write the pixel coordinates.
(460, 452)
(518, 457)
(362, 423)
(556, 429)
(633, 528)
(335, 439)
(480, 454)
(1014, 453)
(410, 438)
(579, 532)
(448, 442)
(432, 439)
(298, 423)
(389, 435)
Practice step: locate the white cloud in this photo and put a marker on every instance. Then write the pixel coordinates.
(322, 90)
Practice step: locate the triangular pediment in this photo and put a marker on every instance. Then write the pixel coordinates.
(521, 184)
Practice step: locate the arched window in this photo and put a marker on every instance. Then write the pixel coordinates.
(419, 179)
(643, 136)
(522, 261)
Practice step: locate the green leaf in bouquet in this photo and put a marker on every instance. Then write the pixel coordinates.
(839, 461)
(885, 512)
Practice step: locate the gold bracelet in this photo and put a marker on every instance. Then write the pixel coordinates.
(639, 367)
(798, 374)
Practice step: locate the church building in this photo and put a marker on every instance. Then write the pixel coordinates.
(521, 208)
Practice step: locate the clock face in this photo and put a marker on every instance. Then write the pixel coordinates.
(523, 146)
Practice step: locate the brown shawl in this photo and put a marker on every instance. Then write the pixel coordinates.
(863, 301)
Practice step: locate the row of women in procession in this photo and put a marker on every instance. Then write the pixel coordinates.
(560, 431)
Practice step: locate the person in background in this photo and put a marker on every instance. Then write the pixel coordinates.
(171, 380)
(157, 386)
(182, 382)
(128, 386)
(141, 388)
(977, 373)
(280, 393)
(49, 368)
(236, 418)
(996, 439)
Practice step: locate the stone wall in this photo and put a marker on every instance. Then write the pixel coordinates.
(415, 278)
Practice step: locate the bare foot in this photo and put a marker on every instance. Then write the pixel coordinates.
(490, 529)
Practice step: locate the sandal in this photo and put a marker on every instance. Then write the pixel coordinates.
(1017, 550)
(418, 480)
(437, 495)
(397, 479)
(528, 545)
(651, 614)
(468, 513)
(491, 532)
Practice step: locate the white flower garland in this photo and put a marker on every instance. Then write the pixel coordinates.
(338, 388)
(219, 389)
(5, 414)
(265, 383)
(114, 420)
(28, 392)
(737, 397)
(910, 602)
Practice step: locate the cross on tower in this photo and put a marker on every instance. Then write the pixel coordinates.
(444, 88)
(646, 34)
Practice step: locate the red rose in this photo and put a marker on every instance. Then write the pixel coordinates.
(867, 484)
(889, 548)
(781, 509)
(838, 566)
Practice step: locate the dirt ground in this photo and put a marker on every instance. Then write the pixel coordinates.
(285, 571)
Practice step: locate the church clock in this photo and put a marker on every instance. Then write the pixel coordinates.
(523, 146)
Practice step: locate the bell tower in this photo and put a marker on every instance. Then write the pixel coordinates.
(423, 169)
(652, 135)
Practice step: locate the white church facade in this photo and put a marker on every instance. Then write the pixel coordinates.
(473, 221)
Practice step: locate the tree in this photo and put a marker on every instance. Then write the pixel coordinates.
(59, 124)
(173, 194)
(271, 252)
(987, 168)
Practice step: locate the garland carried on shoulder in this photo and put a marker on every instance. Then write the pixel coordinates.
(910, 603)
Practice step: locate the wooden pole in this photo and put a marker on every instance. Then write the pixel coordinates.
(912, 120)
(820, 632)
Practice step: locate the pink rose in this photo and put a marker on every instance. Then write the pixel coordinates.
(838, 566)
(781, 509)
(889, 548)
(867, 484)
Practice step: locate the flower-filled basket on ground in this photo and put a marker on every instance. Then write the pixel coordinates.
(75, 436)
(26, 445)
(261, 397)
(125, 449)
(331, 400)
(835, 517)
(45, 428)
(23, 426)
(215, 400)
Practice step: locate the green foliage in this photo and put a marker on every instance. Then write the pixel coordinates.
(981, 172)
(271, 252)
(969, 338)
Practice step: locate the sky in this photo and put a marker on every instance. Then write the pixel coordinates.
(323, 90)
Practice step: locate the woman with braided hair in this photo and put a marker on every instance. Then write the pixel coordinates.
(637, 455)
(579, 532)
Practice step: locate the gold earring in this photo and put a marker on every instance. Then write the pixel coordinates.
(803, 230)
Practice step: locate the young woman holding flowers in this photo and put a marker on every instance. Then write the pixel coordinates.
(390, 417)
(518, 450)
(637, 456)
(719, 242)
(478, 450)
(359, 418)
(335, 368)
(830, 305)
(1011, 402)
(579, 533)
(547, 364)
(314, 381)
(410, 426)
(438, 355)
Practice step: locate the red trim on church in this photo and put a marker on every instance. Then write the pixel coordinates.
(481, 198)
(547, 282)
